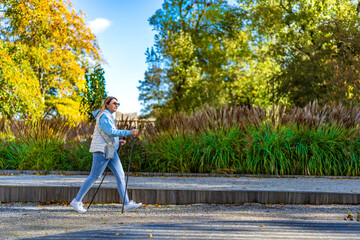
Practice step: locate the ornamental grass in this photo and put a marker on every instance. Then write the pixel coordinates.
(314, 140)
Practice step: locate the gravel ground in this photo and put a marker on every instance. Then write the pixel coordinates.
(20, 220)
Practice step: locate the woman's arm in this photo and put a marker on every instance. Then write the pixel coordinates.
(107, 125)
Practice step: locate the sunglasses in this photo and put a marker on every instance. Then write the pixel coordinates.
(116, 103)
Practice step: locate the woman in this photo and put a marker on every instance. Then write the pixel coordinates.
(105, 131)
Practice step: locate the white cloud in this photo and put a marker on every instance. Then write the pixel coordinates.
(99, 25)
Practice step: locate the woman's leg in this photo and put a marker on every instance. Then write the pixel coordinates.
(117, 169)
(97, 168)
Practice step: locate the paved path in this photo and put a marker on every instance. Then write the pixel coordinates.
(305, 184)
(223, 230)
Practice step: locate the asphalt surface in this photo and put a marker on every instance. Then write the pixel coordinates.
(217, 228)
(223, 230)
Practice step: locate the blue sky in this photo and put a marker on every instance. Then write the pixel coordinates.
(124, 34)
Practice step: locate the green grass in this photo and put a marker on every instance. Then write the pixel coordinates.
(40, 154)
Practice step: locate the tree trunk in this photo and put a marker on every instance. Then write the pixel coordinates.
(42, 88)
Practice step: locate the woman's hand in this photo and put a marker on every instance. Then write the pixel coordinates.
(122, 142)
(134, 132)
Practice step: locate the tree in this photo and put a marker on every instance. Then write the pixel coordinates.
(153, 87)
(204, 53)
(48, 43)
(19, 89)
(95, 92)
(256, 52)
(315, 44)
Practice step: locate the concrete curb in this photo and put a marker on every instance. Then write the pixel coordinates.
(173, 196)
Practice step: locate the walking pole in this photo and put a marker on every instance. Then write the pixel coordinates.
(102, 181)
(127, 177)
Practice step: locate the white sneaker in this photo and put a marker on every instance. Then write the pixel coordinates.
(130, 206)
(78, 206)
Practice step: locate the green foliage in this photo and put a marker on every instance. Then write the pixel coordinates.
(202, 51)
(53, 144)
(316, 45)
(152, 89)
(210, 53)
(42, 154)
(303, 141)
(301, 150)
(313, 140)
(94, 93)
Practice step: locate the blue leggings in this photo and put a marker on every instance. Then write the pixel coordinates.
(98, 167)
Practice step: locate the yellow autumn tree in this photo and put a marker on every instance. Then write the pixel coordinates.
(45, 47)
